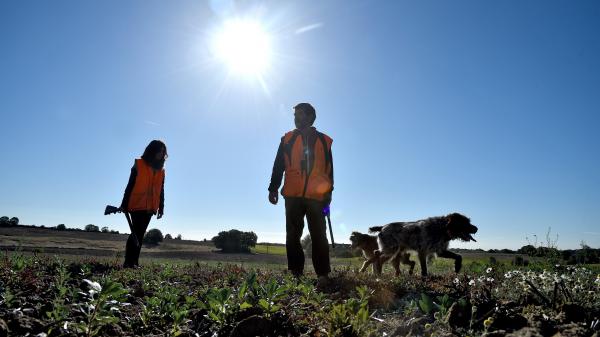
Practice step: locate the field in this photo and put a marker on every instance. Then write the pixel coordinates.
(52, 291)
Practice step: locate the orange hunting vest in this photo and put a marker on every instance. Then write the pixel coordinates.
(145, 195)
(311, 180)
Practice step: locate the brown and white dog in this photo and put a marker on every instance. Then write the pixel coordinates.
(426, 237)
(368, 245)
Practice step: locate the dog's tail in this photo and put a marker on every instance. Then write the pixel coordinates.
(375, 229)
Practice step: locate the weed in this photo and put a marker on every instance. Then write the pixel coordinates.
(101, 302)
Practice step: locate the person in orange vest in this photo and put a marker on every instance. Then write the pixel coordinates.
(144, 197)
(304, 155)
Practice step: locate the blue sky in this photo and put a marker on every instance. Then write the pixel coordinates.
(487, 108)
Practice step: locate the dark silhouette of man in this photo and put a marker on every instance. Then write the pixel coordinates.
(304, 155)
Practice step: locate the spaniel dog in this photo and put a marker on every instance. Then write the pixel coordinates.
(426, 237)
(368, 245)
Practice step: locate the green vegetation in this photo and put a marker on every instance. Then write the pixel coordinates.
(269, 249)
(153, 237)
(235, 241)
(87, 297)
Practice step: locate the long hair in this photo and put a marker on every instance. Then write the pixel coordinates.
(150, 152)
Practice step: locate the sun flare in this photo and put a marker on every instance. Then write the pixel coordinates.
(243, 46)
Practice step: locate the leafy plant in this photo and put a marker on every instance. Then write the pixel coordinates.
(351, 318)
(269, 294)
(219, 305)
(60, 311)
(101, 302)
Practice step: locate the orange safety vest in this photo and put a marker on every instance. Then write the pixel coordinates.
(312, 181)
(145, 195)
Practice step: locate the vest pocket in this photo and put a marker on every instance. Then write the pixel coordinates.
(293, 184)
(318, 186)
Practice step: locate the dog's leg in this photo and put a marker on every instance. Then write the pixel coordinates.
(378, 260)
(406, 260)
(450, 255)
(423, 261)
(396, 263)
(377, 266)
(365, 265)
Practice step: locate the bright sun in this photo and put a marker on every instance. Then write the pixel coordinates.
(244, 46)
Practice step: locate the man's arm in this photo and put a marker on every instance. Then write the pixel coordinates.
(331, 173)
(277, 174)
(328, 196)
(278, 168)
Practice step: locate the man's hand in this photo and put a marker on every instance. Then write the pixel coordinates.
(159, 214)
(273, 197)
(327, 199)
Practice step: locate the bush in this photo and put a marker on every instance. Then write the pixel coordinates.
(91, 228)
(4, 221)
(519, 261)
(153, 237)
(168, 237)
(306, 243)
(235, 241)
(61, 227)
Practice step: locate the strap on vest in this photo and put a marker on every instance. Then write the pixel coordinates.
(287, 147)
(325, 149)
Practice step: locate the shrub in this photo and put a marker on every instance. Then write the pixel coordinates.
(153, 237)
(4, 221)
(61, 227)
(91, 228)
(235, 241)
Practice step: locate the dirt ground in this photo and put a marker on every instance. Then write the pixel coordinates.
(97, 244)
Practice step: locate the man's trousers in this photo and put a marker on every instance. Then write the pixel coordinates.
(295, 211)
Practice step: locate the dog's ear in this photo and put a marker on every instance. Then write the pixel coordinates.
(457, 220)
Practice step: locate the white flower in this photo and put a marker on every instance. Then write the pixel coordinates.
(489, 270)
(472, 282)
(490, 279)
(94, 285)
(508, 275)
(456, 281)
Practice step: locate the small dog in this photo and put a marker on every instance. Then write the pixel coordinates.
(426, 237)
(368, 245)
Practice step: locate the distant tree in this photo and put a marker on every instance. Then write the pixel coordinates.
(306, 243)
(61, 227)
(153, 236)
(235, 241)
(4, 221)
(178, 237)
(91, 228)
(519, 261)
(105, 229)
(248, 240)
(168, 237)
(528, 250)
(14, 221)
(114, 231)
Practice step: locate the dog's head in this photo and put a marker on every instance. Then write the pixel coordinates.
(356, 239)
(459, 227)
